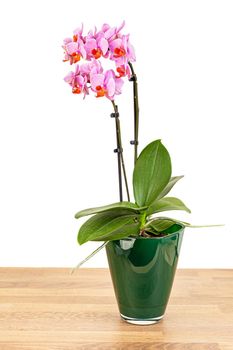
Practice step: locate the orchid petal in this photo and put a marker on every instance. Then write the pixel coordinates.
(111, 87)
(91, 44)
(97, 80)
(67, 40)
(125, 39)
(105, 27)
(103, 44)
(95, 67)
(69, 77)
(131, 53)
(77, 70)
(80, 80)
(108, 75)
(121, 27)
(78, 30)
(82, 51)
(120, 61)
(118, 86)
(85, 69)
(110, 32)
(115, 43)
(72, 47)
(128, 71)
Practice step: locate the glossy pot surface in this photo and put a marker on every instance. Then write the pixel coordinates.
(142, 271)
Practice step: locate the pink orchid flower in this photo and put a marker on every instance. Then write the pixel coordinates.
(96, 47)
(111, 33)
(106, 84)
(74, 48)
(123, 71)
(77, 81)
(78, 34)
(121, 50)
(74, 51)
(90, 68)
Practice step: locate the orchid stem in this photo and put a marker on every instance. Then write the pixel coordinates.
(136, 111)
(120, 156)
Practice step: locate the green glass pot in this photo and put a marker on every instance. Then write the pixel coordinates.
(143, 271)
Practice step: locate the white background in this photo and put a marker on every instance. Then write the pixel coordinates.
(56, 150)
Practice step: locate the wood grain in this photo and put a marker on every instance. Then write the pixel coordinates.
(50, 309)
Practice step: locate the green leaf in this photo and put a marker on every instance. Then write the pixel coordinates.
(126, 231)
(108, 226)
(186, 224)
(169, 186)
(152, 173)
(128, 206)
(160, 225)
(166, 204)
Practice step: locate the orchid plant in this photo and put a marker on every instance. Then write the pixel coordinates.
(152, 179)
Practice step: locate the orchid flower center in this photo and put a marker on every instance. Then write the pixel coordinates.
(119, 52)
(76, 57)
(75, 38)
(96, 53)
(100, 91)
(121, 71)
(76, 90)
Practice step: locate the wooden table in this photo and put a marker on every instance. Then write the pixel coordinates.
(54, 310)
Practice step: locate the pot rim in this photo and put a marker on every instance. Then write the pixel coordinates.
(180, 230)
